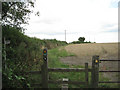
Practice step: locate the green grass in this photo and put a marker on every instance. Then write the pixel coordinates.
(53, 58)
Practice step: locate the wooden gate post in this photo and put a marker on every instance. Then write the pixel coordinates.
(44, 70)
(95, 71)
(86, 74)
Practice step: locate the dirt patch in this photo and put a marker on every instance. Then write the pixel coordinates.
(74, 60)
(84, 53)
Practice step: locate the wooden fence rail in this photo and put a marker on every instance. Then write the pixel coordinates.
(67, 82)
(109, 81)
(108, 60)
(68, 70)
(109, 71)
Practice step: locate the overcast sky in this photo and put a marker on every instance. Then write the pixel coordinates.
(96, 20)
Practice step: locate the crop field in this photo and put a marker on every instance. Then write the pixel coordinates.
(84, 52)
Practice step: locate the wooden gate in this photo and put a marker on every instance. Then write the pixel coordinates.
(94, 74)
(45, 73)
(112, 71)
(95, 71)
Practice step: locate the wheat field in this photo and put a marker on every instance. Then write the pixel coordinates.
(84, 52)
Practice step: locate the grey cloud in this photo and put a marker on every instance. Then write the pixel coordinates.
(53, 33)
(109, 28)
(112, 30)
(108, 25)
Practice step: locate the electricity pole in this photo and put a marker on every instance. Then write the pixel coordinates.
(65, 35)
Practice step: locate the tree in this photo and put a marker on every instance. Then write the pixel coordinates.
(81, 39)
(16, 13)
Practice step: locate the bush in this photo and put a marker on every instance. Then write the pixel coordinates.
(79, 42)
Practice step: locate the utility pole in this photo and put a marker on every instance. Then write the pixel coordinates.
(65, 35)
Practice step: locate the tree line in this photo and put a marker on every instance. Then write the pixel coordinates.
(81, 40)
